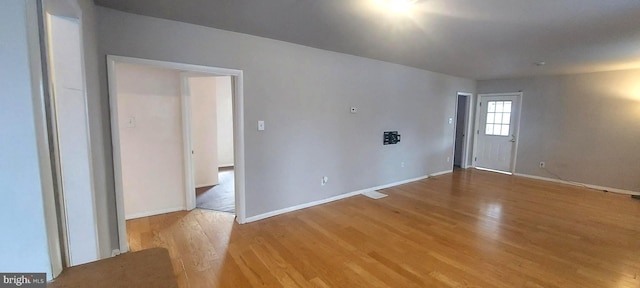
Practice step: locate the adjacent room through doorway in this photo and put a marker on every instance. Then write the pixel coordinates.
(173, 138)
(212, 141)
(462, 129)
(176, 130)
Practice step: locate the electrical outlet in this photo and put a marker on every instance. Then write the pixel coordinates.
(448, 159)
(324, 181)
(402, 164)
(542, 164)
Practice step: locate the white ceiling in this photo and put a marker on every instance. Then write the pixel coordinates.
(479, 39)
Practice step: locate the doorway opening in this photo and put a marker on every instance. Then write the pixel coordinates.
(497, 130)
(165, 136)
(211, 102)
(463, 130)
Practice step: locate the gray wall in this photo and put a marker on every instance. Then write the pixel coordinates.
(23, 244)
(585, 126)
(304, 95)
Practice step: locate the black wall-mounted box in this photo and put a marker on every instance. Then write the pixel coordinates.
(391, 137)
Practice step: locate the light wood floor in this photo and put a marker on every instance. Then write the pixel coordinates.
(466, 229)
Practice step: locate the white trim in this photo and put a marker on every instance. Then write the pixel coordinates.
(187, 152)
(334, 198)
(440, 173)
(156, 212)
(468, 127)
(493, 170)
(572, 183)
(54, 244)
(238, 135)
(476, 130)
(117, 161)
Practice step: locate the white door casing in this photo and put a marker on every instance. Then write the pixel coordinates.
(497, 126)
(238, 117)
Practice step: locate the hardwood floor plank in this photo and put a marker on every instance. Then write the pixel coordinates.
(467, 229)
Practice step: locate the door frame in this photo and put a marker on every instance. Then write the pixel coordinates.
(514, 152)
(238, 135)
(468, 128)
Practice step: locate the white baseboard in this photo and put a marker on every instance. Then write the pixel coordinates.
(152, 213)
(334, 198)
(603, 188)
(440, 173)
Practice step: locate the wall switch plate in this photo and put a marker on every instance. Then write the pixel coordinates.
(354, 110)
(324, 180)
(402, 164)
(448, 159)
(131, 122)
(261, 125)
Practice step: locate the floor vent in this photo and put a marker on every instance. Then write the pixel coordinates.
(374, 194)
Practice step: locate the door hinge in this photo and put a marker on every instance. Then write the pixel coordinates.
(480, 104)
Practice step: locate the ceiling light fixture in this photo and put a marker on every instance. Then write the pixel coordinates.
(396, 6)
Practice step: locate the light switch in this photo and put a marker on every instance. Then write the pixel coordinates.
(131, 122)
(261, 125)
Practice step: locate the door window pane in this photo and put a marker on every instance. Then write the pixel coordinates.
(498, 118)
(507, 106)
(491, 117)
(505, 130)
(491, 106)
(489, 129)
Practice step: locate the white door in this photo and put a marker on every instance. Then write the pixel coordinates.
(65, 50)
(497, 131)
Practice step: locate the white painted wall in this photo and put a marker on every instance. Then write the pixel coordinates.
(151, 144)
(224, 96)
(23, 244)
(304, 94)
(204, 134)
(73, 139)
(586, 127)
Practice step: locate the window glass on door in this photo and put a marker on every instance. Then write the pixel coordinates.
(498, 118)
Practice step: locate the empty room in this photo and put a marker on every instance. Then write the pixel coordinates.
(298, 143)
